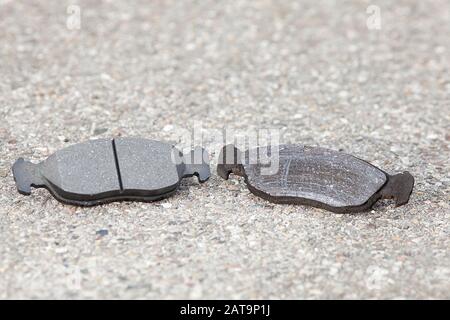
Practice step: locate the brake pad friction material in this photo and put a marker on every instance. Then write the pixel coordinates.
(135, 153)
(314, 176)
(105, 170)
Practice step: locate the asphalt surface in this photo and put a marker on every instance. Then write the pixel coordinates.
(312, 70)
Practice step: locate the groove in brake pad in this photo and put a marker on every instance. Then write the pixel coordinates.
(313, 176)
(105, 170)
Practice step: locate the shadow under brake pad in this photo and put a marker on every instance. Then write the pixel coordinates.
(106, 170)
(318, 177)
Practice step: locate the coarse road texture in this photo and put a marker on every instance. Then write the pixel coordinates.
(311, 69)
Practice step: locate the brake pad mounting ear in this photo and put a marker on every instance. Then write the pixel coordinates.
(105, 170)
(314, 176)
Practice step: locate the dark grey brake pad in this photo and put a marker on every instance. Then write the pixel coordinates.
(104, 170)
(313, 176)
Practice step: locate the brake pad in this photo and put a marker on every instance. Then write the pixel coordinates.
(105, 170)
(314, 176)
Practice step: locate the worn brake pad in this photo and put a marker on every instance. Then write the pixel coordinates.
(105, 170)
(314, 176)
